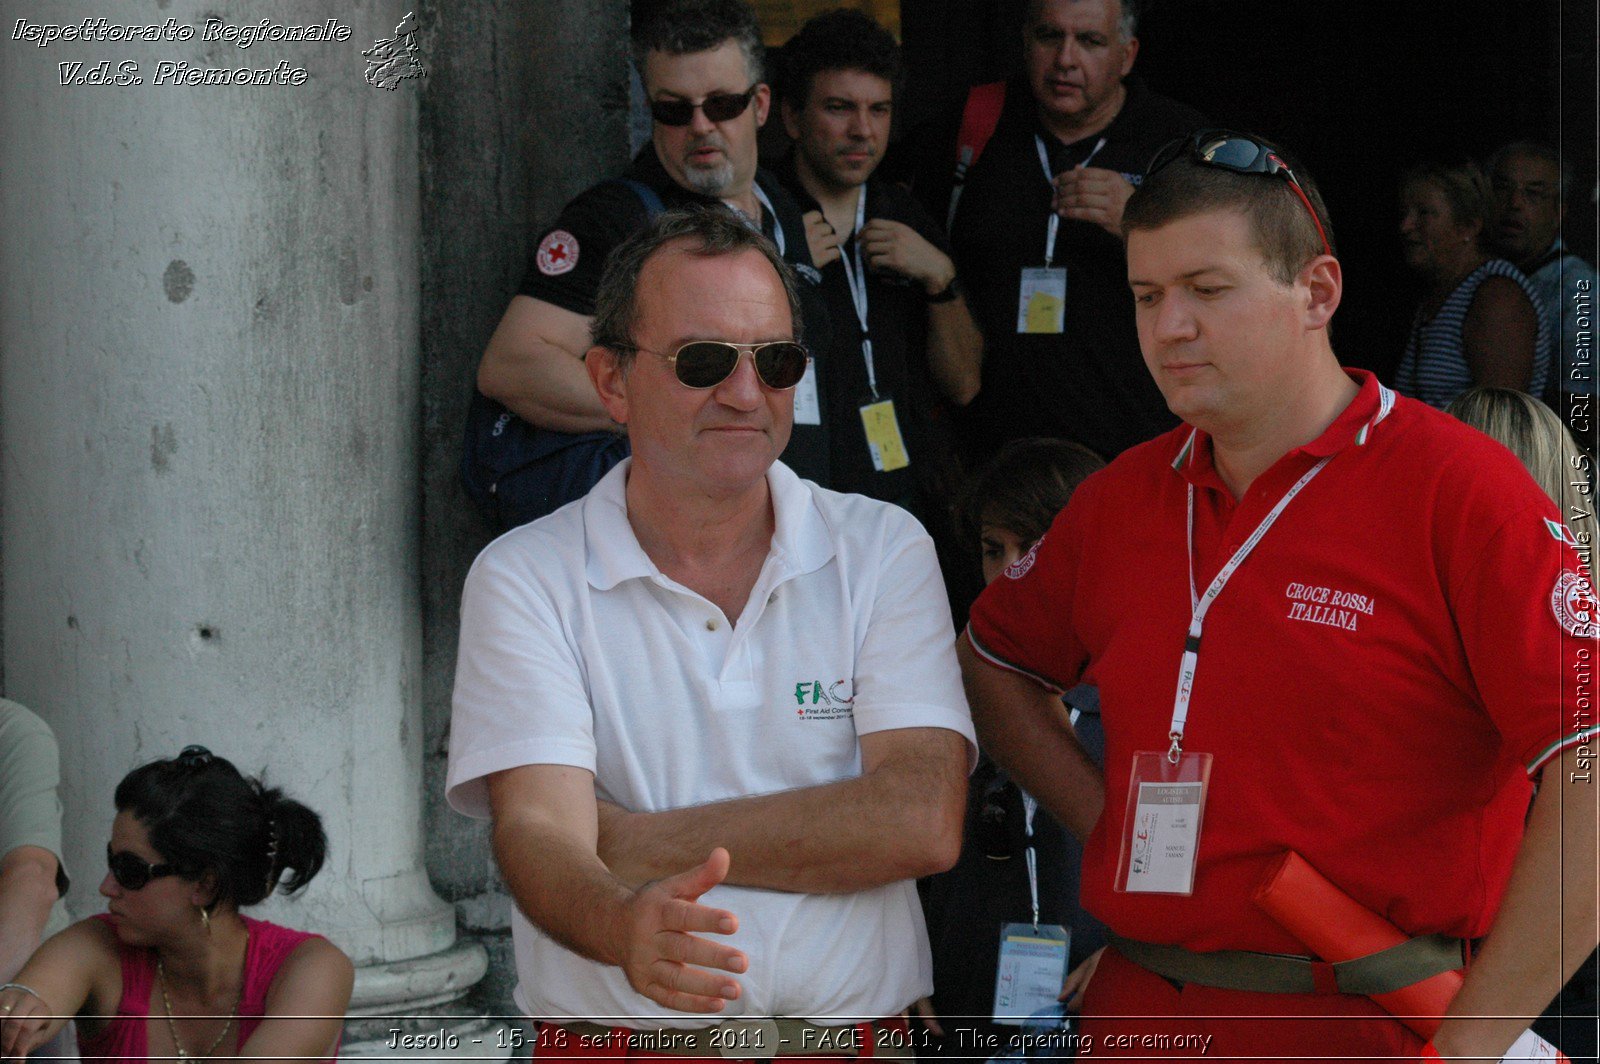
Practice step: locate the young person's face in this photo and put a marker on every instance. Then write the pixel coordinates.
(998, 548)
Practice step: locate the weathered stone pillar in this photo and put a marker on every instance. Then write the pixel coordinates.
(209, 369)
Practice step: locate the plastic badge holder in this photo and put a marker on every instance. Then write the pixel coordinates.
(1162, 823)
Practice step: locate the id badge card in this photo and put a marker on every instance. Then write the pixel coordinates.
(1161, 833)
(888, 447)
(807, 407)
(1033, 965)
(1042, 304)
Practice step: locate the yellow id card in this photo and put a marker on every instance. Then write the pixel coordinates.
(888, 447)
(1042, 305)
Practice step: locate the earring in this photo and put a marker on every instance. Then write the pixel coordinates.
(205, 918)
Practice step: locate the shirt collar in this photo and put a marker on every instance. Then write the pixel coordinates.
(800, 540)
(1352, 428)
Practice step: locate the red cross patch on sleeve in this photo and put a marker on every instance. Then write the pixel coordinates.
(558, 253)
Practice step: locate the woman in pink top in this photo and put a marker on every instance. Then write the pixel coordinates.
(173, 970)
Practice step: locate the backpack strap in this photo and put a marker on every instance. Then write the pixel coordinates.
(979, 118)
(647, 196)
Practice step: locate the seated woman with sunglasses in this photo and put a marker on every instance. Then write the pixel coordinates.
(173, 970)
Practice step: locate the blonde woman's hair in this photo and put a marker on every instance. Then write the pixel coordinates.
(1533, 433)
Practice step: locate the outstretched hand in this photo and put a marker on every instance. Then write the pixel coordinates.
(664, 957)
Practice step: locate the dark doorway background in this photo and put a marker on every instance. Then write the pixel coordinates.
(1359, 88)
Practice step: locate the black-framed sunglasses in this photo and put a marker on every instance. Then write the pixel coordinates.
(1240, 153)
(707, 363)
(133, 873)
(719, 107)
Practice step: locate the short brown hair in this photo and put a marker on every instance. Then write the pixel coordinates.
(1024, 486)
(1283, 230)
(710, 231)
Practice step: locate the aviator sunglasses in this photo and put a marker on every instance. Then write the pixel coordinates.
(133, 873)
(1240, 153)
(707, 363)
(719, 107)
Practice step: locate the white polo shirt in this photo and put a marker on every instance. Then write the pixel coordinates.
(577, 650)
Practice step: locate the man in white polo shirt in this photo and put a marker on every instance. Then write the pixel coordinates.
(713, 710)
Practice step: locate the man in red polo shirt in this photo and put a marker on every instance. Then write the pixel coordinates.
(1323, 619)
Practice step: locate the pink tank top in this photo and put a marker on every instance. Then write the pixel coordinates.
(125, 1037)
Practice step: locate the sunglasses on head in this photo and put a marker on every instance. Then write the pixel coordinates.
(132, 873)
(707, 363)
(719, 107)
(1239, 153)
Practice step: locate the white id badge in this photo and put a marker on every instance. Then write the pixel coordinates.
(1042, 302)
(1161, 833)
(807, 408)
(1531, 1047)
(1033, 965)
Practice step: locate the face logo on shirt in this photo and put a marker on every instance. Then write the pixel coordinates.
(1572, 601)
(820, 700)
(1019, 568)
(558, 253)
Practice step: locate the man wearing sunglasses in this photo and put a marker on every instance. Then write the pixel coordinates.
(1357, 632)
(900, 325)
(1036, 234)
(701, 62)
(712, 710)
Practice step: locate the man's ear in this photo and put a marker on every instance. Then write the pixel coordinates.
(1323, 280)
(1128, 56)
(762, 103)
(610, 380)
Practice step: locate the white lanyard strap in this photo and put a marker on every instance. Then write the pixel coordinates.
(1030, 806)
(1053, 229)
(856, 278)
(1200, 605)
(777, 224)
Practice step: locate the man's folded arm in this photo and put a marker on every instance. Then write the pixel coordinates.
(534, 365)
(900, 819)
(544, 840)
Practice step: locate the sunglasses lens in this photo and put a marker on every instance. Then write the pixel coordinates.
(672, 112)
(781, 365)
(1233, 153)
(129, 872)
(723, 107)
(705, 364)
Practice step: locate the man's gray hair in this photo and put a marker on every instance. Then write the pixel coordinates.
(683, 27)
(709, 231)
(1127, 21)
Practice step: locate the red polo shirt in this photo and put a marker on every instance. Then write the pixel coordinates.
(1376, 682)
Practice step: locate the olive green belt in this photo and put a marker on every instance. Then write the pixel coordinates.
(1383, 972)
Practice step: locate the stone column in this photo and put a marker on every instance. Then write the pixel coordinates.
(209, 366)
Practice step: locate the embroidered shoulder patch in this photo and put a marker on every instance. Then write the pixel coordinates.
(558, 253)
(1019, 568)
(1573, 603)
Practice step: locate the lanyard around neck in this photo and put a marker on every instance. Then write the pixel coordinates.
(1200, 605)
(856, 278)
(1053, 229)
(777, 224)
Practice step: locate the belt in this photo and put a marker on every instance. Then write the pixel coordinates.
(740, 1039)
(1383, 972)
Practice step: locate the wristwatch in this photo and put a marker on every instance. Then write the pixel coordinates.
(949, 293)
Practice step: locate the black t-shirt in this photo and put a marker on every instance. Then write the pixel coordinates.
(569, 256)
(1088, 383)
(897, 318)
